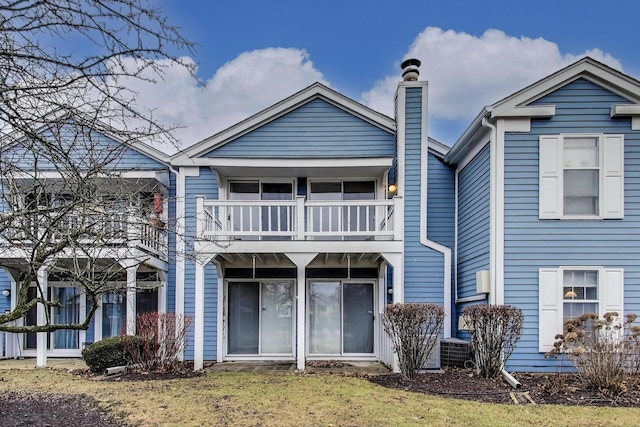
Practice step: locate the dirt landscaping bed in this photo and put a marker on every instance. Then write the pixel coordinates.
(560, 389)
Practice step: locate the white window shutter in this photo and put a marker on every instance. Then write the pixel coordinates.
(550, 189)
(613, 177)
(612, 290)
(550, 307)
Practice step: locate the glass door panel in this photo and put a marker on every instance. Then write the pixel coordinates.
(340, 318)
(357, 309)
(114, 313)
(277, 326)
(244, 318)
(68, 312)
(324, 318)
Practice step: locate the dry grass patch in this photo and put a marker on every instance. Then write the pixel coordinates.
(287, 399)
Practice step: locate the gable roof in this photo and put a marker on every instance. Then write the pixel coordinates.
(310, 93)
(61, 115)
(519, 103)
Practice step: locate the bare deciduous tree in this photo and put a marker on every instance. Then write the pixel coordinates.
(67, 120)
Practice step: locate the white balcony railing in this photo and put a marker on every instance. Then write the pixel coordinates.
(106, 228)
(297, 219)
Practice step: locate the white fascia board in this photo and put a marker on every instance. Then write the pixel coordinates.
(314, 91)
(161, 176)
(469, 138)
(248, 162)
(296, 246)
(538, 111)
(438, 148)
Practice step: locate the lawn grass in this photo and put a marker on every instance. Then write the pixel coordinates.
(289, 399)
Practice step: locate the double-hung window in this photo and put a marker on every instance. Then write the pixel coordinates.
(568, 292)
(581, 176)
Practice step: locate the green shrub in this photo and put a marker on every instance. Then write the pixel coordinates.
(108, 353)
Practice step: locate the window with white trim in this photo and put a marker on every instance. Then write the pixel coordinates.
(581, 176)
(568, 292)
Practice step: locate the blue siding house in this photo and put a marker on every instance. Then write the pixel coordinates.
(549, 176)
(295, 227)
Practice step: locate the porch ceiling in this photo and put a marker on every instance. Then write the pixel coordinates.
(327, 259)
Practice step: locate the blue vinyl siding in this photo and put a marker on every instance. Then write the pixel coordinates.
(531, 243)
(423, 267)
(210, 311)
(98, 147)
(315, 129)
(441, 209)
(171, 274)
(204, 185)
(473, 222)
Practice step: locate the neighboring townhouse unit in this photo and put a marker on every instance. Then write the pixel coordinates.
(82, 195)
(547, 203)
(284, 236)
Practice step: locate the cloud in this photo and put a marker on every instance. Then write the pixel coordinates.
(466, 72)
(241, 87)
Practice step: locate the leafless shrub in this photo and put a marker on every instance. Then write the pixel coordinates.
(414, 330)
(603, 351)
(495, 330)
(163, 338)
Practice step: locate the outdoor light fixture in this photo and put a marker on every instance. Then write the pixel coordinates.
(6, 292)
(392, 189)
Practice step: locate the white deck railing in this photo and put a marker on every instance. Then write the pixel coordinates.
(296, 219)
(115, 228)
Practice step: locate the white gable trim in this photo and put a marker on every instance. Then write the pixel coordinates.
(312, 92)
(625, 110)
(586, 68)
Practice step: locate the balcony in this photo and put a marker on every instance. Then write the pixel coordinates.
(300, 219)
(112, 229)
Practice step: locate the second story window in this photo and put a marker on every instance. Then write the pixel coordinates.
(581, 176)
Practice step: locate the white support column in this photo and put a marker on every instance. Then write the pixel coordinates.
(198, 322)
(396, 261)
(41, 340)
(301, 261)
(162, 292)
(131, 299)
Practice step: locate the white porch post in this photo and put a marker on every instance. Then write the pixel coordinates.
(198, 323)
(131, 299)
(300, 229)
(396, 261)
(41, 340)
(162, 292)
(301, 261)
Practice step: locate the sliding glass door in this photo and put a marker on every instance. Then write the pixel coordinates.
(260, 318)
(341, 318)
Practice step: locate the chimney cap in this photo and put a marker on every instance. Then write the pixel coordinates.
(410, 70)
(409, 62)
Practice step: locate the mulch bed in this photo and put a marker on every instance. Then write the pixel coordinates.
(560, 389)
